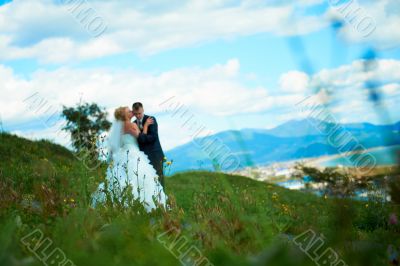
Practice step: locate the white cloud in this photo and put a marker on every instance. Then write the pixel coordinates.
(294, 81)
(212, 92)
(344, 91)
(346, 81)
(52, 34)
(357, 73)
(216, 90)
(374, 22)
(53, 133)
(391, 89)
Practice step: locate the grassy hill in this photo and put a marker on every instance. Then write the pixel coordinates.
(219, 219)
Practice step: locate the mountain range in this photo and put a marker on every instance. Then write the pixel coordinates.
(296, 139)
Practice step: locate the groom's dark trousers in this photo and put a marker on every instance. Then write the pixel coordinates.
(150, 144)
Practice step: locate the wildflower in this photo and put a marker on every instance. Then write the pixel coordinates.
(366, 205)
(72, 200)
(169, 163)
(393, 219)
(275, 196)
(285, 208)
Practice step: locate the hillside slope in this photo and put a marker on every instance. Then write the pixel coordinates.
(231, 220)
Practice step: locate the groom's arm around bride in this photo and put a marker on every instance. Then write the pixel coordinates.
(150, 143)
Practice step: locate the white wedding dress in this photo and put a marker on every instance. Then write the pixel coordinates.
(130, 167)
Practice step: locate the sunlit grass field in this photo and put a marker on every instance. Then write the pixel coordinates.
(214, 218)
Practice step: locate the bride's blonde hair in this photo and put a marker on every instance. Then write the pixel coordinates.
(120, 113)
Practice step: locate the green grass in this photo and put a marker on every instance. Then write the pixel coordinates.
(231, 220)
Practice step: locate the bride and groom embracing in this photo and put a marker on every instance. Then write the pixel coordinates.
(136, 159)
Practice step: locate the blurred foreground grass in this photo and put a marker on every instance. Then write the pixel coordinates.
(230, 220)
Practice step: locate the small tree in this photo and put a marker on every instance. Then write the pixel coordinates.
(85, 122)
(337, 182)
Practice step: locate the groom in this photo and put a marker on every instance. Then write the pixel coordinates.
(150, 143)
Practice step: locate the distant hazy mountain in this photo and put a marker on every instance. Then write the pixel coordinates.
(296, 128)
(292, 140)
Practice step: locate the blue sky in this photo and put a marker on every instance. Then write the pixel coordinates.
(3, 2)
(230, 63)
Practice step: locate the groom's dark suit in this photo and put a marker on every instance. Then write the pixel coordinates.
(150, 144)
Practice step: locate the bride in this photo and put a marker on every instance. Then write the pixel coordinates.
(130, 168)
